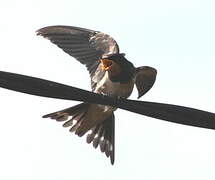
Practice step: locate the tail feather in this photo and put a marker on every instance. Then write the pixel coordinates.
(73, 116)
(102, 133)
(63, 115)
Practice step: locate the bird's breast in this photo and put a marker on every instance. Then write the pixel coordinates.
(114, 89)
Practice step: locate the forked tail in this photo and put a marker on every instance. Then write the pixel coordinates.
(80, 122)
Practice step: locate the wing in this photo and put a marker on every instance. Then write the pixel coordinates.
(87, 46)
(144, 79)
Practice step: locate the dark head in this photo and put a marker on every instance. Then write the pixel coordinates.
(118, 67)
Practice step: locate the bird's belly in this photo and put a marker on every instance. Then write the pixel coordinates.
(117, 89)
(113, 89)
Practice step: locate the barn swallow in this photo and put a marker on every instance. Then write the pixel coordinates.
(112, 77)
(111, 74)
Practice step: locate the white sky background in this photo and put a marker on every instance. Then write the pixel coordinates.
(175, 37)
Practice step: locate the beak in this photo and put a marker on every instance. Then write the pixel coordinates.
(106, 64)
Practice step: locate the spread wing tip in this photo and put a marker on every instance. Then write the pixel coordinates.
(63, 29)
(43, 31)
(48, 30)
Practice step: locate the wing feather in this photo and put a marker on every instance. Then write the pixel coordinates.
(87, 46)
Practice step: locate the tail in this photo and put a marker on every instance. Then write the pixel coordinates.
(78, 118)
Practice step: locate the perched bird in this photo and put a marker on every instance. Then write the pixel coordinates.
(111, 74)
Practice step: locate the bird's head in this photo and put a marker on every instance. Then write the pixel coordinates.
(117, 67)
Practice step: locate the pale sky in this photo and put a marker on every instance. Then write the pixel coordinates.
(175, 37)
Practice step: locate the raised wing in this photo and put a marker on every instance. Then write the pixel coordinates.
(144, 79)
(87, 46)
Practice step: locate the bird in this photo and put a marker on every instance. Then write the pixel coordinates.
(111, 74)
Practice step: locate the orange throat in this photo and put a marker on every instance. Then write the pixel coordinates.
(113, 68)
(106, 64)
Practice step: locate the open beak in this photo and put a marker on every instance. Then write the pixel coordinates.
(106, 64)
